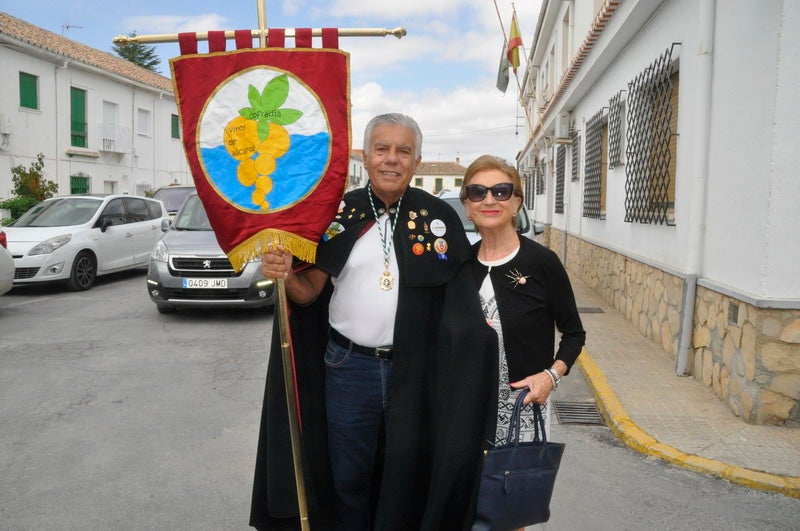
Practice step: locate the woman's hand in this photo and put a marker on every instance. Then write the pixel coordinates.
(276, 263)
(540, 386)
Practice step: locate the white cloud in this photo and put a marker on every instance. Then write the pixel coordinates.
(177, 23)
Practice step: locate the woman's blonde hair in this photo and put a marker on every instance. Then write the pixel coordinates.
(490, 162)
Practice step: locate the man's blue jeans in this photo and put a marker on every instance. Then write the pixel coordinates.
(356, 399)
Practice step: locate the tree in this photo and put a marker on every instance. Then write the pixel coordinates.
(29, 187)
(138, 53)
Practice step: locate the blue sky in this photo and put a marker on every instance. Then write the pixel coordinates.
(442, 73)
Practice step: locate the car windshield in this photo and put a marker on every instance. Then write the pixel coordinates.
(61, 212)
(455, 202)
(523, 222)
(173, 198)
(192, 216)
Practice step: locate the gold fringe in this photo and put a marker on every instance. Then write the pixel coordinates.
(256, 245)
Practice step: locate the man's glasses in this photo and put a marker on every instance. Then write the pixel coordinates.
(500, 191)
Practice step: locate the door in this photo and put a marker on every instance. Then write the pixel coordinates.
(145, 230)
(114, 246)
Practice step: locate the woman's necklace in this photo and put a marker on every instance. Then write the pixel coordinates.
(387, 280)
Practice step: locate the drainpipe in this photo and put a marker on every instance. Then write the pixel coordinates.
(698, 203)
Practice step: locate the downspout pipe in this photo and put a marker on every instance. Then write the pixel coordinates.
(699, 182)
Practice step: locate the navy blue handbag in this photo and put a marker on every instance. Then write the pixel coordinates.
(517, 478)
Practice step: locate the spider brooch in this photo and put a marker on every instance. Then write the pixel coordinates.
(516, 277)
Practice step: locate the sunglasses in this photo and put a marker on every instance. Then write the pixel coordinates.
(500, 191)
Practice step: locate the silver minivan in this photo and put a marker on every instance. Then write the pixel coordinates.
(188, 269)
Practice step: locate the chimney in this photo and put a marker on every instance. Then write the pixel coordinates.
(458, 161)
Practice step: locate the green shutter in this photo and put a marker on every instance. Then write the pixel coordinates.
(28, 91)
(79, 184)
(78, 117)
(176, 127)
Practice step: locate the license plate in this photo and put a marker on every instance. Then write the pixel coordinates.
(205, 283)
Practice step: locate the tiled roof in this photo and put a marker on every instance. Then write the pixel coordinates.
(54, 43)
(357, 154)
(440, 168)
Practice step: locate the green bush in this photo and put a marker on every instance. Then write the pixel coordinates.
(29, 187)
(18, 205)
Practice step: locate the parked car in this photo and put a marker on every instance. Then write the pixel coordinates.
(189, 269)
(525, 226)
(173, 197)
(76, 238)
(6, 266)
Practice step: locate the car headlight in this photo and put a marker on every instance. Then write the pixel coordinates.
(160, 252)
(48, 246)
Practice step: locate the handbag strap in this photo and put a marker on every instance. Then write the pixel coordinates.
(516, 419)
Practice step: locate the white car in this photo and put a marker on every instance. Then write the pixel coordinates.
(76, 238)
(6, 266)
(525, 227)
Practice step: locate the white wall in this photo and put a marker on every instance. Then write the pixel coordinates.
(750, 244)
(158, 160)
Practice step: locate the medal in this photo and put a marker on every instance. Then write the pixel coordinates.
(386, 282)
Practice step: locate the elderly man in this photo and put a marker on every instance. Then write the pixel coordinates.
(388, 324)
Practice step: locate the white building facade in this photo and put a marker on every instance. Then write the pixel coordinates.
(662, 155)
(103, 124)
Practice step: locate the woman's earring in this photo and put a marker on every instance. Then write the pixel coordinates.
(469, 218)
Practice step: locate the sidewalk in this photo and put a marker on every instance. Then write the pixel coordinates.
(676, 418)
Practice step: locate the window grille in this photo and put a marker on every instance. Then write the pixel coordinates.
(79, 183)
(593, 185)
(529, 184)
(651, 143)
(561, 159)
(615, 111)
(540, 168)
(576, 156)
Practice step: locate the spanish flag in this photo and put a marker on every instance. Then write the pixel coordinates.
(514, 42)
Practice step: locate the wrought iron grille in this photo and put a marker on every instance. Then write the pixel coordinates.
(561, 160)
(592, 183)
(649, 132)
(615, 114)
(530, 187)
(576, 156)
(540, 168)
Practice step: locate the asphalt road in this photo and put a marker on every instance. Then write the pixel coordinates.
(113, 416)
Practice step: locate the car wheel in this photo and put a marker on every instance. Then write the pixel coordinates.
(165, 309)
(84, 272)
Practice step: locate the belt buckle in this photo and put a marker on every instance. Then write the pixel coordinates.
(379, 352)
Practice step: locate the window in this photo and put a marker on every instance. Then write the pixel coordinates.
(115, 211)
(437, 185)
(143, 122)
(576, 157)
(110, 140)
(28, 91)
(79, 183)
(540, 171)
(595, 167)
(176, 126)
(78, 117)
(566, 53)
(418, 182)
(458, 182)
(137, 210)
(616, 109)
(561, 160)
(651, 150)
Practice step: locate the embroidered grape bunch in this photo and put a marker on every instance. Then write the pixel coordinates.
(257, 138)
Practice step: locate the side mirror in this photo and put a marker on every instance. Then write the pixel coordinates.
(165, 224)
(538, 228)
(105, 224)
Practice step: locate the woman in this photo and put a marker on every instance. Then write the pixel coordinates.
(524, 292)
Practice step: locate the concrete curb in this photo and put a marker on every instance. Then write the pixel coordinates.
(634, 437)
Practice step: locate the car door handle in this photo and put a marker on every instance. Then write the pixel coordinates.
(128, 235)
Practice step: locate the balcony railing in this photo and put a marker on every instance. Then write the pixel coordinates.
(113, 138)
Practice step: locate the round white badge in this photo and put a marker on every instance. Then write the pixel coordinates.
(438, 227)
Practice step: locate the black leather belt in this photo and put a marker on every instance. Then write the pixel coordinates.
(383, 353)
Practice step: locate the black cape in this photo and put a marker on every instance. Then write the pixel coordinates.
(444, 381)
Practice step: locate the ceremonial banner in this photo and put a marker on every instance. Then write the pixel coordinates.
(267, 135)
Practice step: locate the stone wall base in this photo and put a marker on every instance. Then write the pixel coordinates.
(749, 356)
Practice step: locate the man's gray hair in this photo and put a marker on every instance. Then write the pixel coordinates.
(393, 118)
